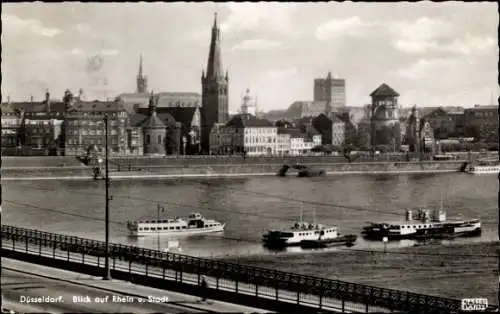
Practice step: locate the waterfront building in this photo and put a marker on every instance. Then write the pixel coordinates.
(84, 126)
(332, 129)
(385, 128)
(447, 122)
(252, 135)
(330, 90)
(11, 122)
(301, 141)
(481, 122)
(215, 105)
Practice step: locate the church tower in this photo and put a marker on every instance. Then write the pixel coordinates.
(215, 107)
(142, 81)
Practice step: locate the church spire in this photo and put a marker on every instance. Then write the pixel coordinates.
(140, 67)
(142, 80)
(214, 67)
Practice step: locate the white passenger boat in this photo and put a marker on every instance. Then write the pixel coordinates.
(305, 234)
(484, 167)
(194, 224)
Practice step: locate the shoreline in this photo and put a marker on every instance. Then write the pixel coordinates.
(221, 175)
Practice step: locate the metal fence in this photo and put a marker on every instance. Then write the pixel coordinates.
(266, 283)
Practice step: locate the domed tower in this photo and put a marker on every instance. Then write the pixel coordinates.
(154, 130)
(385, 125)
(247, 107)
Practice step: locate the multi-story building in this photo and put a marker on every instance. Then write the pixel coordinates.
(481, 122)
(301, 141)
(215, 106)
(446, 122)
(332, 130)
(11, 123)
(330, 90)
(252, 135)
(84, 126)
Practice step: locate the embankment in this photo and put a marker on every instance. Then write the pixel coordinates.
(66, 169)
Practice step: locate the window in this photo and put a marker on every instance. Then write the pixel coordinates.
(148, 139)
(159, 139)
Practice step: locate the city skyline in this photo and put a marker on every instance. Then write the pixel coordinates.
(275, 50)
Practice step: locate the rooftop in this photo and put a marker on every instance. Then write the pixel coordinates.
(248, 121)
(384, 90)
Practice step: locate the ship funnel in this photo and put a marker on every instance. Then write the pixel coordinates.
(442, 216)
(409, 215)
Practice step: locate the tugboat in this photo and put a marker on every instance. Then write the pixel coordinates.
(195, 223)
(424, 226)
(483, 167)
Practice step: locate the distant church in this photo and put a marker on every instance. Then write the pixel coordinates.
(215, 105)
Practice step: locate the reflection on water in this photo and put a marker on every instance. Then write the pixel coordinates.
(249, 206)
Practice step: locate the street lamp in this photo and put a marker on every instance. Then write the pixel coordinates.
(107, 274)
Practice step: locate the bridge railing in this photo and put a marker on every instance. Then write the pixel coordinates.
(299, 284)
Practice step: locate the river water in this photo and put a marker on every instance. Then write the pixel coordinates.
(249, 206)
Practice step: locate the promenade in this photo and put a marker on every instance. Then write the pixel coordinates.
(22, 280)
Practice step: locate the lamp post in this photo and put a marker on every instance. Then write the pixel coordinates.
(107, 274)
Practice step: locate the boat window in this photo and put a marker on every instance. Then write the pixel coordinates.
(140, 229)
(165, 228)
(183, 227)
(146, 229)
(165, 221)
(153, 228)
(177, 228)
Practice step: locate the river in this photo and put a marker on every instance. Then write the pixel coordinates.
(249, 206)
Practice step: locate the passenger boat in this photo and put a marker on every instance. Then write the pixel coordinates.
(304, 234)
(423, 226)
(194, 224)
(483, 167)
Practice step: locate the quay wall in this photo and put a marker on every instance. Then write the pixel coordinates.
(229, 169)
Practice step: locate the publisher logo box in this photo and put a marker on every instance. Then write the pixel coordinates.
(474, 304)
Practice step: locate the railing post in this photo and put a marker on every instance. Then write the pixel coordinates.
(343, 306)
(256, 289)
(98, 260)
(198, 271)
(54, 250)
(163, 274)
(180, 274)
(68, 254)
(83, 257)
(27, 242)
(298, 296)
(129, 266)
(146, 263)
(13, 242)
(40, 246)
(114, 262)
(217, 282)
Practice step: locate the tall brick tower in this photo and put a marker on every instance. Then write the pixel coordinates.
(142, 81)
(214, 90)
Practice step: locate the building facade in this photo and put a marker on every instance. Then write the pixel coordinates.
(481, 123)
(84, 126)
(215, 105)
(11, 123)
(330, 90)
(446, 122)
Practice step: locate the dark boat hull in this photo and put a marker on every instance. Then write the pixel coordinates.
(435, 234)
(344, 240)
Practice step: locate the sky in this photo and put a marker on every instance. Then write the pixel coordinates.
(433, 54)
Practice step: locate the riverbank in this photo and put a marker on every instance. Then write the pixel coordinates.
(453, 271)
(73, 171)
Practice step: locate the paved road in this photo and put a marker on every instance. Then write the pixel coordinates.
(18, 289)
